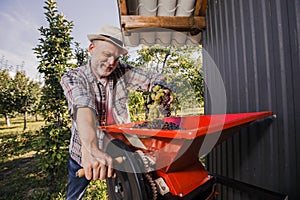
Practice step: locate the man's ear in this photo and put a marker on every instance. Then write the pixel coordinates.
(91, 47)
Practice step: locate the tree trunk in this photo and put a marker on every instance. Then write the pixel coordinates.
(25, 120)
(7, 120)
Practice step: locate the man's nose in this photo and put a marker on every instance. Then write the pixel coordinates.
(112, 59)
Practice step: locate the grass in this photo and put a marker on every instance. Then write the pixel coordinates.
(20, 176)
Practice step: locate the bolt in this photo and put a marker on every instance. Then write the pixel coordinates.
(124, 158)
(118, 188)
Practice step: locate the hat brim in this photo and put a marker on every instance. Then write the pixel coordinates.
(92, 37)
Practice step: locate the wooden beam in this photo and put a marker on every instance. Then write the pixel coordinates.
(202, 11)
(198, 5)
(179, 23)
(123, 7)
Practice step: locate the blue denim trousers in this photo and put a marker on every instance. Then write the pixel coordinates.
(76, 186)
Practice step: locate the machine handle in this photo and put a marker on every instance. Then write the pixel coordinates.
(81, 173)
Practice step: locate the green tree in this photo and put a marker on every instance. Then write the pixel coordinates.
(6, 96)
(181, 66)
(26, 94)
(81, 55)
(36, 108)
(54, 54)
(186, 62)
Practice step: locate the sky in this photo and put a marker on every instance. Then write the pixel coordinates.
(20, 20)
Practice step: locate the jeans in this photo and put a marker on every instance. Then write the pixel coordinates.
(76, 186)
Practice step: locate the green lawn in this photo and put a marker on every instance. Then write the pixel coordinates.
(20, 176)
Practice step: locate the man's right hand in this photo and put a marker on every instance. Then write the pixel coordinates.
(96, 164)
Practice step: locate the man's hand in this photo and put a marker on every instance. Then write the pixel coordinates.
(168, 92)
(97, 164)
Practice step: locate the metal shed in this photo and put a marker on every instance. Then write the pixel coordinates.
(255, 45)
(252, 51)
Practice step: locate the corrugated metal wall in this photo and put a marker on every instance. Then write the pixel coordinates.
(255, 44)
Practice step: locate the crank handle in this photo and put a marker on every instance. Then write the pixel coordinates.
(81, 173)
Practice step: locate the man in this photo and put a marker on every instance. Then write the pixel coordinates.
(97, 95)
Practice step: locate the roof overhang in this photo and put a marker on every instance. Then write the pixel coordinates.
(165, 22)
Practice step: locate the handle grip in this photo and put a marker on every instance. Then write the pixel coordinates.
(81, 173)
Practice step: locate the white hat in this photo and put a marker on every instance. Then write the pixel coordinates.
(111, 34)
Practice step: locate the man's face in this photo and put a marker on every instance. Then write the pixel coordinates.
(104, 57)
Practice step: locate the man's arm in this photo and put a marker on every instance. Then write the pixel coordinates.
(96, 163)
(141, 79)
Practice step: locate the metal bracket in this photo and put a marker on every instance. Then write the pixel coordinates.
(162, 186)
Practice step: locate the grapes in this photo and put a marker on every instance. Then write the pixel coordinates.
(158, 104)
(158, 124)
(156, 88)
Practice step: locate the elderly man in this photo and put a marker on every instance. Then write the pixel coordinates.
(97, 95)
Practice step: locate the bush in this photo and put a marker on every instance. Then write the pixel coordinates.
(52, 150)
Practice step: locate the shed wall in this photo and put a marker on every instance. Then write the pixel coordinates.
(255, 46)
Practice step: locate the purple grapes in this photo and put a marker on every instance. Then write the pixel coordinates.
(158, 124)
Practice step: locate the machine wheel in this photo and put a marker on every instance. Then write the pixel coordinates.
(127, 185)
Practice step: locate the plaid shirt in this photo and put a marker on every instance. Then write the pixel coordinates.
(82, 89)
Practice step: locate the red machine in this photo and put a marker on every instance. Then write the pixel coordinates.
(164, 164)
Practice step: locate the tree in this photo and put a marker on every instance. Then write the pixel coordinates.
(26, 94)
(6, 95)
(54, 54)
(186, 62)
(81, 55)
(181, 66)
